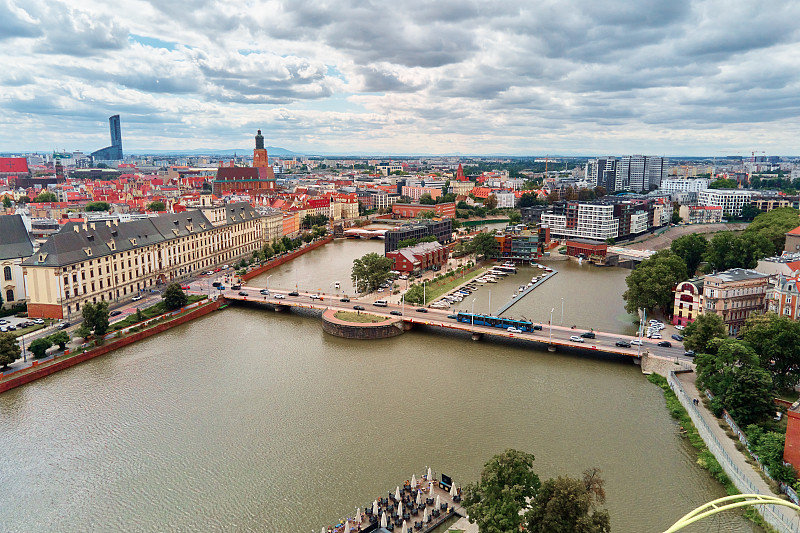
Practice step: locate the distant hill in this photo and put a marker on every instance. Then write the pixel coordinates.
(271, 150)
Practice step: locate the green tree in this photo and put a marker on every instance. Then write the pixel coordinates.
(319, 231)
(174, 297)
(207, 186)
(139, 315)
(776, 339)
(514, 217)
(716, 371)
(23, 200)
(97, 206)
(699, 334)
(506, 485)
(566, 504)
(490, 202)
(158, 205)
(39, 347)
(6, 201)
(95, 317)
(484, 245)
(691, 249)
(415, 294)
(310, 221)
(726, 250)
(370, 271)
(530, 199)
(676, 217)
(650, 284)
(267, 251)
(768, 446)
(426, 199)
(723, 184)
(774, 225)
(278, 247)
(9, 349)
(749, 212)
(749, 397)
(61, 338)
(46, 196)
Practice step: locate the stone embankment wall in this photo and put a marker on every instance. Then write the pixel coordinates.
(352, 330)
(66, 361)
(653, 364)
(278, 261)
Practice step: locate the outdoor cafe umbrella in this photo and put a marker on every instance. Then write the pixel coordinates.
(430, 489)
(438, 501)
(419, 497)
(430, 476)
(375, 507)
(397, 493)
(358, 515)
(405, 527)
(425, 516)
(453, 491)
(413, 480)
(324, 530)
(347, 526)
(383, 519)
(400, 508)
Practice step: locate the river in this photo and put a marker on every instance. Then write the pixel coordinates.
(248, 420)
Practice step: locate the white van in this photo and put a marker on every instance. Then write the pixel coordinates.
(381, 303)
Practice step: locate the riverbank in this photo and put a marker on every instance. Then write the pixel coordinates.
(285, 258)
(43, 368)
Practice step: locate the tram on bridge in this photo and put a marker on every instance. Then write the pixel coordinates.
(495, 321)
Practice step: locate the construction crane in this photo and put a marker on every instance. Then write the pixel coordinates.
(753, 156)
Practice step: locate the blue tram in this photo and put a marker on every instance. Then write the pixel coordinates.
(495, 321)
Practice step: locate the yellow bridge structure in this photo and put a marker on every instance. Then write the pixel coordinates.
(725, 504)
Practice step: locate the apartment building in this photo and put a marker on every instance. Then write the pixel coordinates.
(585, 220)
(700, 214)
(687, 306)
(673, 185)
(441, 229)
(730, 200)
(113, 261)
(734, 295)
(783, 297)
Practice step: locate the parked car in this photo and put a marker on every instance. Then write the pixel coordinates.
(294, 293)
(679, 327)
(623, 344)
(137, 298)
(677, 337)
(11, 327)
(655, 336)
(216, 284)
(242, 293)
(576, 338)
(421, 310)
(512, 329)
(185, 287)
(381, 289)
(38, 321)
(345, 299)
(63, 325)
(588, 335)
(689, 353)
(3, 321)
(115, 313)
(358, 307)
(279, 296)
(395, 312)
(665, 344)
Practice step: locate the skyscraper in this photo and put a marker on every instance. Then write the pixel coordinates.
(113, 152)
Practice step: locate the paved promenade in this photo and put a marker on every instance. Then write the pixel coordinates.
(746, 477)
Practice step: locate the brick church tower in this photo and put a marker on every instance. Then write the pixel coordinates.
(260, 158)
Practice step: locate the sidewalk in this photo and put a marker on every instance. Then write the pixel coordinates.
(746, 477)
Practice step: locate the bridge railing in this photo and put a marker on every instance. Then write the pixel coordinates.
(782, 521)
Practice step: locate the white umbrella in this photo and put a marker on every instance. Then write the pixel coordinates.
(405, 527)
(419, 497)
(324, 530)
(400, 509)
(397, 493)
(430, 489)
(425, 516)
(453, 491)
(383, 520)
(438, 501)
(375, 507)
(430, 474)
(413, 481)
(347, 526)
(358, 515)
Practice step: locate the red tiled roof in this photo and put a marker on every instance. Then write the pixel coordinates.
(14, 164)
(795, 231)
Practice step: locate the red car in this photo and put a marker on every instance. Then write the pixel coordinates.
(185, 287)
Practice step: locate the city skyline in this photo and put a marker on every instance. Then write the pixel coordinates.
(698, 78)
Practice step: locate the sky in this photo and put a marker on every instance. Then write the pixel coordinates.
(517, 77)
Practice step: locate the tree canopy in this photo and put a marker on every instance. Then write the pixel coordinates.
(506, 484)
(40, 346)
(426, 199)
(650, 285)
(158, 205)
(97, 206)
(691, 249)
(370, 271)
(174, 297)
(773, 225)
(568, 504)
(698, 335)
(723, 184)
(9, 349)
(484, 245)
(727, 250)
(45, 196)
(95, 317)
(776, 339)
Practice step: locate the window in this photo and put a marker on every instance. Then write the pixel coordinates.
(9, 295)
(7, 273)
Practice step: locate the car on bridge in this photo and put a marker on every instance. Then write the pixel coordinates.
(637, 342)
(345, 299)
(689, 353)
(316, 297)
(512, 329)
(242, 293)
(576, 338)
(421, 310)
(294, 293)
(279, 296)
(264, 292)
(665, 344)
(358, 307)
(588, 335)
(115, 313)
(395, 312)
(623, 344)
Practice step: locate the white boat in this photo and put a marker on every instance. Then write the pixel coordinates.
(522, 288)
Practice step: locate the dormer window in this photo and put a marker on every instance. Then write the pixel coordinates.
(88, 251)
(133, 242)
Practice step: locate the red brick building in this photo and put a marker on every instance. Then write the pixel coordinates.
(445, 210)
(586, 247)
(418, 257)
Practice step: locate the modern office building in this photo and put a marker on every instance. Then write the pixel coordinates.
(673, 185)
(637, 173)
(113, 152)
(730, 200)
(441, 229)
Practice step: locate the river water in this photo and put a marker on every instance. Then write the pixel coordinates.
(248, 420)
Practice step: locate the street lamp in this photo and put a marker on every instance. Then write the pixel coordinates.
(551, 324)
(473, 315)
(404, 305)
(562, 311)
(490, 302)
(268, 281)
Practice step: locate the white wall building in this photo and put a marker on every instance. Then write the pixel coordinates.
(594, 221)
(684, 185)
(505, 199)
(730, 200)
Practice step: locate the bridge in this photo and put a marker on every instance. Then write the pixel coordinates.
(358, 233)
(552, 338)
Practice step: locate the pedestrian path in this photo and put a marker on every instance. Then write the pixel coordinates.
(746, 478)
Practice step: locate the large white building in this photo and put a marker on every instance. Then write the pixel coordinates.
(594, 221)
(673, 185)
(730, 200)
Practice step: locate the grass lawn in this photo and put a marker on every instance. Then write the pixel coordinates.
(435, 290)
(29, 329)
(364, 318)
(789, 395)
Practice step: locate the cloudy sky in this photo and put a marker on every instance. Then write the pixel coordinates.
(404, 76)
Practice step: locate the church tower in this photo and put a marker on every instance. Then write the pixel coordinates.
(260, 158)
